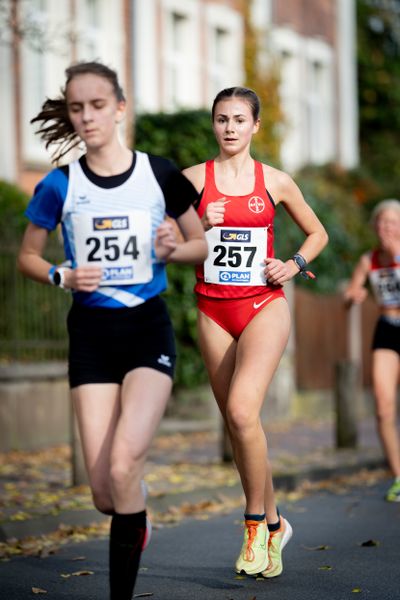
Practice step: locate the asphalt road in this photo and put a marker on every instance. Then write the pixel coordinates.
(193, 561)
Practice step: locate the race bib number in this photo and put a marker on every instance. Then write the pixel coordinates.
(386, 285)
(236, 255)
(118, 243)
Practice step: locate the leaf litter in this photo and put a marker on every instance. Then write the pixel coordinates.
(36, 484)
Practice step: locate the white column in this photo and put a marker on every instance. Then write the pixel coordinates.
(348, 148)
(8, 167)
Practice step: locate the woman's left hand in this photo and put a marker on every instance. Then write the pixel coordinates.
(165, 242)
(277, 271)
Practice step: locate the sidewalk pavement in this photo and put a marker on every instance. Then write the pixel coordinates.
(184, 468)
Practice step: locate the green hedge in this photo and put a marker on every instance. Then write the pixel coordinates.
(341, 199)
(185, 137)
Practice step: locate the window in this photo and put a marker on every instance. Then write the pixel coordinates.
(89, 29)
(319, 114)
(219, 59)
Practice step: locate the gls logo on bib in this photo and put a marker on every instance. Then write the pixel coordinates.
(110, 223)
(235, 236)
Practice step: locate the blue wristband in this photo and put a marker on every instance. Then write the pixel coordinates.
(50, 274)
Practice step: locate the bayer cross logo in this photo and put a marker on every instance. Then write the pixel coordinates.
(256, 204)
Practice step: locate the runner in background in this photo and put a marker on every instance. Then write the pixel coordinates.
(112, 205)
(243, 317)
(381, 268)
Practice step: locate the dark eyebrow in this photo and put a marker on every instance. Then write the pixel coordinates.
(92, 100)
(226, 116)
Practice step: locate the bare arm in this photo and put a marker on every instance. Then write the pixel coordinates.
(286, 191)
(192, 250)
(215, 211)
(32, 264)
(356, 291)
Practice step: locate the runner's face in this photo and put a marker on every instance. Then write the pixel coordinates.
(388, 225)
(93, 109)
(234, 125)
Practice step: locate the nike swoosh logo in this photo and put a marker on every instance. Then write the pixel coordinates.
(258, 304)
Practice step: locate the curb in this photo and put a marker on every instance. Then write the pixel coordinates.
(286, 481)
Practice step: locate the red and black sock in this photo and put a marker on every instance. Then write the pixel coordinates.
(126, 542)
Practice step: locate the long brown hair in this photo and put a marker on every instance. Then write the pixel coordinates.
(56, 127)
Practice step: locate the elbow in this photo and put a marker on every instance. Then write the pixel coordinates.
(325, 239)
(20, 265)
(203, 251)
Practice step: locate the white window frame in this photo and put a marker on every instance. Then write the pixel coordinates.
(311, 121)
(181, 73)
(49, 67)
(227, 70)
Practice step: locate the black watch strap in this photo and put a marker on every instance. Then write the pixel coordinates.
(302, 265)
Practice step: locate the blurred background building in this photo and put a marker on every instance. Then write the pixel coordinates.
(174, 54)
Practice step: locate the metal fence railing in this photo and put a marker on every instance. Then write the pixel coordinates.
(32, 316)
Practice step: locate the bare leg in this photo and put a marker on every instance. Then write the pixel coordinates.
(97, 407)
(239, 375)
(144, 396)
(385, 374)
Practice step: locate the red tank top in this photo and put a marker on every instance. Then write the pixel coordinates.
(254, 210)
(385, 282)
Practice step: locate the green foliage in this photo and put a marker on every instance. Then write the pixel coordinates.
(180, 299)
(185, 137)
(379, 90)
(12, 205)
(265, 81)
(334, 195)
(32, 316)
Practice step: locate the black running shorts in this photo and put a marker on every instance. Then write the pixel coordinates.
(106, 343)
(386, 336)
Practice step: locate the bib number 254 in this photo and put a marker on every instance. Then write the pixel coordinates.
(107, 247)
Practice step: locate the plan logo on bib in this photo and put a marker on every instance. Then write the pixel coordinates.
(228, 277)
(256, 204)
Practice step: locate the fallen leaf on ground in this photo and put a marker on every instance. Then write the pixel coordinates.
(325, 568)
(36, 590)
(369, 544)
(356, 590)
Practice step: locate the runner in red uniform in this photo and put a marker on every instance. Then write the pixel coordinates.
(382, 268)
(243, 317)
(243, 214)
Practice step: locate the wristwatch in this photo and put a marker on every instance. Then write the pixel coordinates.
(300, 262)
(57, 276)
(302, 265)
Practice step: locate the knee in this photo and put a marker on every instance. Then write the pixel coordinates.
(241, 421)
(385, 415)
(102, 500)
(123, 471)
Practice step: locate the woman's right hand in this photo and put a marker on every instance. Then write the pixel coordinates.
(83, 279)
(214, 213)
(355, 295)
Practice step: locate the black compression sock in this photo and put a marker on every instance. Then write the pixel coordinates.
(275, 526)
(126, 541)
(249, 517)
